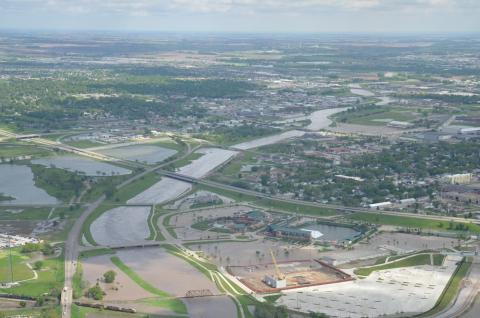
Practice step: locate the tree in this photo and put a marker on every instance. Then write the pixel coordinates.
(109, 276)
(266, 310)
(40, 301)
(95, 292)
(38, 265)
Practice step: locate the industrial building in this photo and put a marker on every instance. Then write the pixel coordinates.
(463, 178)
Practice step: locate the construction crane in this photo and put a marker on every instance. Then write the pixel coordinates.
(280, 275)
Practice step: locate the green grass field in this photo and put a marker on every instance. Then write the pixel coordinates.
(20, 269)
(82, 143)
(377, 116)
(25, 214)
(166, 300)
(9, 150)
(416, 260)
(50, 277)
(153, 225)
(406, 221)
(187, 160)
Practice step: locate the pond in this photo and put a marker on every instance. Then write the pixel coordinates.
(17, 181)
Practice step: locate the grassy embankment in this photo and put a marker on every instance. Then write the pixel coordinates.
(13, 149)
(82, 143)
(272, 204)
(416, 260)
(409, 222)
(155, 232)
(451, 290)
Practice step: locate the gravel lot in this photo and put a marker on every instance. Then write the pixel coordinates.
(409, 290)
(168, 189)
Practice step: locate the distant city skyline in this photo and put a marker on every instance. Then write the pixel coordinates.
(262, 16)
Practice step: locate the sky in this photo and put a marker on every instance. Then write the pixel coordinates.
(247, 16)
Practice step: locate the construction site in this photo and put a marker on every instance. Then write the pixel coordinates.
(277, 276)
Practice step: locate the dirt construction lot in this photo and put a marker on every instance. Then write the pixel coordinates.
(165, 271)
(298, 274)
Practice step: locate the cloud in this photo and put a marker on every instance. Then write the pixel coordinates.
(251, 15)
(234, 6)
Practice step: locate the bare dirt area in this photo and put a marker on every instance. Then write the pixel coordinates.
(123, 289)
(18, 227)
(165, 271)
(211, 307)
(297, 274)
(122, 225)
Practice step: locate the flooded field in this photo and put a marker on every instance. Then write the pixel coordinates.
(212, 158)
(82, 165)
(320, 119)
(17, 181)
(211, 307)
(121, 290)
(268, 140)
(121, 225)
(361, 92)
(182, 277)
(168, 189)
(164, 190)
(257, 252)
(182, 222)
(143, 153)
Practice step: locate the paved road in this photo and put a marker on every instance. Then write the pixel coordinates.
(71, 256)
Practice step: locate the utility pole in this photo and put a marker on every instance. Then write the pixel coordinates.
(10, 257)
